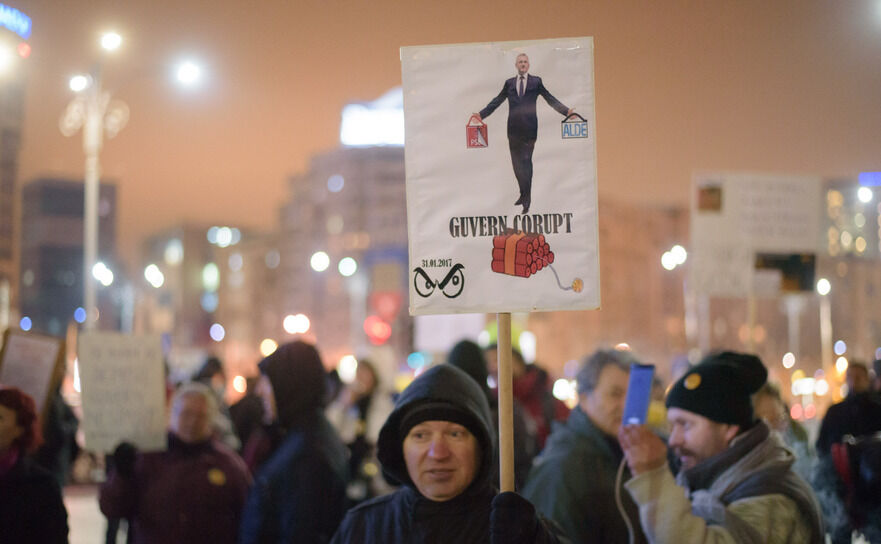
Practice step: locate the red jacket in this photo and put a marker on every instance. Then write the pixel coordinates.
(190, 494)
(533, 391)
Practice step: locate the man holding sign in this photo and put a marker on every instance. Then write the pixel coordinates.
(522, 92)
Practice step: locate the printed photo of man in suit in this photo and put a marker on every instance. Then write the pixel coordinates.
(522, 92)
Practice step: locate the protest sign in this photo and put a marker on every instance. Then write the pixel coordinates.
(123, 388)
(501, 176)
(747, 227)
(31, 362)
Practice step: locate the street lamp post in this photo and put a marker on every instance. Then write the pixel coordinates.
(97, 115)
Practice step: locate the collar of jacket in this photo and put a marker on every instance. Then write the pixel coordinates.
(469, 503)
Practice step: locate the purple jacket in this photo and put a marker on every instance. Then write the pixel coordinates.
(190, 494)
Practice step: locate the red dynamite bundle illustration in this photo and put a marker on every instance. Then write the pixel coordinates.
(522, 254)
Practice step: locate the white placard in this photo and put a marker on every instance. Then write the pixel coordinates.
(735, 216)
(29, 363)
(123, 387)
(463, 179)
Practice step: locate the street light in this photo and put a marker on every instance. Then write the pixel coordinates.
(93, 111)
(96, 114)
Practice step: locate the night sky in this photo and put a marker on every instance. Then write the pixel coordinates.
(791, 86)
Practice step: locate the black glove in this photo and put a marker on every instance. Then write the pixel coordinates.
(512, 520)
(124, 459)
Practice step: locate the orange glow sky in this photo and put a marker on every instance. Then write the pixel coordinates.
(790, 86)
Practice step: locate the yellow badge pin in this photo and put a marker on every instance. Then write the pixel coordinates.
(692, 381)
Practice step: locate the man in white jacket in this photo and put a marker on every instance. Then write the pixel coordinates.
(736, 484)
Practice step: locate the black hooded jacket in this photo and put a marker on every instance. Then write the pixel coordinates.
(406, 516)
(299, 493)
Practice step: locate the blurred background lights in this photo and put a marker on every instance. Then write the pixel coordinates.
(622, 346)
(668, 261)
(483, 339)
(796, 412)
(319, 261)
(347, 266)
(821, 387)
(209, 301)
(217, 332)
(25, 323)
(235, 262)
(335, 183)
(527, 343)
(240, 384)
(679, 254)
(823, 286)
(841, 365)
(174, 252)
(102, 274)
(76, 376)
(154, 276)
(272, 259)
(78, 83)
(24, 50)
(296, 324)
(803, 386)
(79, 315)
(210, 277)
(840, 347)
(788, 360)
(416, 360)
(865, 195)
(268, 346)
(348, 368)
(111, 41)
(810, 411)
(189, 73)
(564, 389)
(7, 58)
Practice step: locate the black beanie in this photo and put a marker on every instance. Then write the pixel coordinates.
(720, 388)
(439, 411)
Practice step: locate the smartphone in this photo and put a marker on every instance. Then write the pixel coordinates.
(639, 391)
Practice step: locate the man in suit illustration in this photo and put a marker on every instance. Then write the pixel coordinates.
(522, 91)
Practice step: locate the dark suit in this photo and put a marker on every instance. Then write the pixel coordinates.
(523, 126)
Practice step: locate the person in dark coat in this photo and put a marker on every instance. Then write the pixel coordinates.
(467, 356)
(438, 445)
(299, 491)
(573, 479)
(192, 493)
(31, 506)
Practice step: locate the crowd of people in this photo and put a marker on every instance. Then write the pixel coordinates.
(304, 458)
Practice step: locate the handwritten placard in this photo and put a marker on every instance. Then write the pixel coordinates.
(123, 387)
(30, 362)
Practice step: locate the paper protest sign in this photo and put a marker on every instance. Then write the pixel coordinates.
(123, 388)
(747, 227)
(504, 219)
(31, 362)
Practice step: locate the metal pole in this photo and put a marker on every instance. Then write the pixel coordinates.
(826, 331)
(93, 136)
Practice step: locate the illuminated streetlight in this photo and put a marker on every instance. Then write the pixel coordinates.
(111, 41)
(103, 274)
(823, 286)
(865, 195)
(347, 266)
(78, 83)
(679, 254)
(189, 73)
(788, 360)
(296, 324)
(319, 261)
(154, 276)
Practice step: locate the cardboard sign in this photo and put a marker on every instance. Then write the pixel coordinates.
(123, 388)
(475, 218)
(741, 223)
(31, 362)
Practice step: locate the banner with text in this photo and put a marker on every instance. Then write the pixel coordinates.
(31, 362)
(754, 234)
(501, 176)
(123, 388)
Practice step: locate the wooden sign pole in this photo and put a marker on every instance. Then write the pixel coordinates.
(506, 404)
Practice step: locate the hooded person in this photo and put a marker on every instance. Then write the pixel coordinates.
(736, 483)
(438, 445)
(299, 491)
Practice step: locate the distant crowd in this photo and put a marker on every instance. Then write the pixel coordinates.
(303, 457)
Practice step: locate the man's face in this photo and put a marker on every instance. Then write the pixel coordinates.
(189, 419)
(605, 404)
(522, 64)
(441, 458)
(695, 438)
